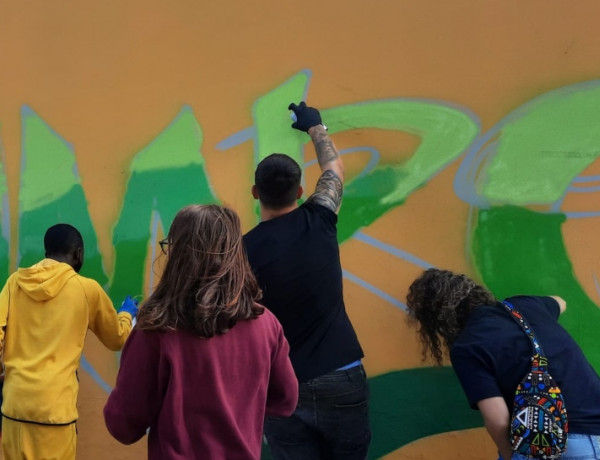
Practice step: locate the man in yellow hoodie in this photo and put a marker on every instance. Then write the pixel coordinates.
(45, 312)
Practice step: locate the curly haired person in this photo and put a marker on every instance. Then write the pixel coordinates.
(490, 354)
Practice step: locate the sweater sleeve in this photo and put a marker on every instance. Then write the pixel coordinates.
(134, 403)
(282, 396)
(111, 328)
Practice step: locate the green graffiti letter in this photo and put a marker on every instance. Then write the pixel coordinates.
(541, 147)
(51, 193)
(165, 176)
(445, 131)
(519, 251)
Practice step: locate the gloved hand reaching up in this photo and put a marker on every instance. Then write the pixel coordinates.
(306, 117)
(130, 306)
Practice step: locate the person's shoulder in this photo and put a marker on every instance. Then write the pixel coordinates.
(269, 319)
(267, 315)
(529, 303)
(89, 285)
(152, 334)
(150, 340)
(480, 320)
(86, 282)
(526, 302)
(254, 240)
(272, 228)
(12, 278)
(523, 299)
(11, 281)
(251, 234)
(314, 208)
(485, 312)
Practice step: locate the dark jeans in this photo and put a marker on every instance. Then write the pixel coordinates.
(331, 420)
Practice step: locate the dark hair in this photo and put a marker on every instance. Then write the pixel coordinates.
(62, 239)
(277, 179)
(207, 285)
(440, 302)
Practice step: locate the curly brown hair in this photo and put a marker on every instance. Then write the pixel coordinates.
(439, 302)
(207, 285)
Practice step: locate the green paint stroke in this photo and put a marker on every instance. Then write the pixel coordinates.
(4, 221)
(518, 251)
(272, 121)
(543, 146)
(412, 404)
(165, 176)
(51, 193)
(445, 132)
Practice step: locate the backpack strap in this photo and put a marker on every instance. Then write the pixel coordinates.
(539, 362)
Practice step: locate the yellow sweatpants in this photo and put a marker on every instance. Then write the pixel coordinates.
(28, 441)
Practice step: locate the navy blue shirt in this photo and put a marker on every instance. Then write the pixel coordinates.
(492, 354)
(296, 260)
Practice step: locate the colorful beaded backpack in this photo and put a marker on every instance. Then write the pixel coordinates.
(539, 423)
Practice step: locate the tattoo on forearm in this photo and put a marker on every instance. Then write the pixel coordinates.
(329, 191)
(324, 147)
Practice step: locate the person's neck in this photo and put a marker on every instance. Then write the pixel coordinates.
(58, 258)
(268, 213)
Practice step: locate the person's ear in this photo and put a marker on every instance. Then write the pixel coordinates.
(300, 192)
(254, 192)
(77, 259)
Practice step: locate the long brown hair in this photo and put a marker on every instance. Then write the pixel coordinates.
(439, 302)
(207, 285)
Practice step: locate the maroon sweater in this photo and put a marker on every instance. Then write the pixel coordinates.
(202, 398)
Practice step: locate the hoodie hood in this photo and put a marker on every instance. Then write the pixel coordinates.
(44, 280)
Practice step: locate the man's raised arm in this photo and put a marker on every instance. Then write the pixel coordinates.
(328, 191)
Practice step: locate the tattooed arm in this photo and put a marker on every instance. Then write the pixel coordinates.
(329, 188)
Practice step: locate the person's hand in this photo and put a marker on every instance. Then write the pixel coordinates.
(306, 117)
(130, 306)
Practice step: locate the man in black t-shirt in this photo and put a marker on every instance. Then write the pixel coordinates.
(295, 255)
(491, 354)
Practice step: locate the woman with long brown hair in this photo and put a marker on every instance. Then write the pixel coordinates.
(205, 362)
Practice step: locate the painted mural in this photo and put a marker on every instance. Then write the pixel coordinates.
(113, 117)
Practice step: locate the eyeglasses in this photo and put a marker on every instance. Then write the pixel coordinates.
(164, 245)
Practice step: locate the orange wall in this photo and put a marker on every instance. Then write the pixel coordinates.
(110, 76)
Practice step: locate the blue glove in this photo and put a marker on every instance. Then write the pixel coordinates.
(130, 306)
(306, 117)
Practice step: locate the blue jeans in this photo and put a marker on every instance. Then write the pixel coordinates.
(330, 422)
(579, 447)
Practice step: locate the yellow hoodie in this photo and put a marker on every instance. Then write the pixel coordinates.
(45, 312)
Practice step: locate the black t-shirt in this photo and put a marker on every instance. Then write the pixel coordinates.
(296, 260)
(492, 354)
